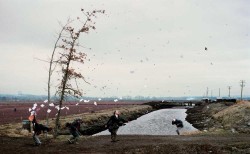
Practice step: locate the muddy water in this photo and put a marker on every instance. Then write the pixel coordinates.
(155, 123)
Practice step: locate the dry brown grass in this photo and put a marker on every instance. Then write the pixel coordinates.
(234, 115)
(196, 132)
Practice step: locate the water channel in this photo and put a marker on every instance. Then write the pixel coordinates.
(155, 123)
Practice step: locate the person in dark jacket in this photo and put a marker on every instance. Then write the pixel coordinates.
(74, 129)
(178, 124)
(114, 123)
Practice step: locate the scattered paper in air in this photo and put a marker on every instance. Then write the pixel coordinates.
(67, 107)
(45, 101)
(49, 110)
(81, 100)
(42, 105)
(34, 107)
(77, 104)
(99, 99)
(95, 103)
(30, 109)
(51, 104)
(86, 101)
(57, 107)
(62, 108)
(116, 100)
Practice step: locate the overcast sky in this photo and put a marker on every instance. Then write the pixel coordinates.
(140, 47)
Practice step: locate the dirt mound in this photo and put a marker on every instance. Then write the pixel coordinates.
(221, 116)
(235, 117)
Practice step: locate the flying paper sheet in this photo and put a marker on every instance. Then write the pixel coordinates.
(66, 107)
(81, 100)
(45, 101)
(51, 104)
(42, 105)
(49, 110)
(99, 99)
(77, 104)
(30, 109)
(116, 100)
(95, 103)
(57, 107)
(86, 101)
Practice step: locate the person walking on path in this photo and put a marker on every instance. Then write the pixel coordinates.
(114, 123)
(74, 129)
(179, 125)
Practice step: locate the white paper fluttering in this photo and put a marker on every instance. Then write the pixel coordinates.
(86, 101)
(45, 101)
(95, 103)
(34, 106)
(32, 113)
(51, 104)
(116, 100)
(67, 107)
(57, 107)
(77, 104)
(62, 108)
(99, 99)
(81, 100)
(49, 110)
(30, 109)
(42, 105)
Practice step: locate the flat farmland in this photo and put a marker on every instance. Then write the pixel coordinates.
(8, 114)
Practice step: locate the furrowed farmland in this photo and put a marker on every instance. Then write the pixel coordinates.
(12, 112)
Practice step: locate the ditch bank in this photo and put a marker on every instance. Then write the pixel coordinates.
(223, 117)
(95, 122)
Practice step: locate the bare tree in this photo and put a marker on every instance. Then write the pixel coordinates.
(69, 55)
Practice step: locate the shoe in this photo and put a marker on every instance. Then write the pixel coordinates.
(38, 144)
(70, 142)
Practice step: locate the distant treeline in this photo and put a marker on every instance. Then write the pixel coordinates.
(28, 97)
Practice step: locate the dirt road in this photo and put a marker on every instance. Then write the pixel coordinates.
(133, 144)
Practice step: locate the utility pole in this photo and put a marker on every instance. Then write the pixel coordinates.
(207, 92)
(242, 84)
(229, 88)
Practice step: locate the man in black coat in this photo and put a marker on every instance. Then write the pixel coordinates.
(178, 124)
(74, 129)
(114, 123)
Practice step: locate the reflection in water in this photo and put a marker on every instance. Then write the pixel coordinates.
(155, 123)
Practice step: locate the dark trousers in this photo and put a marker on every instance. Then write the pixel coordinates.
(113, 134)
